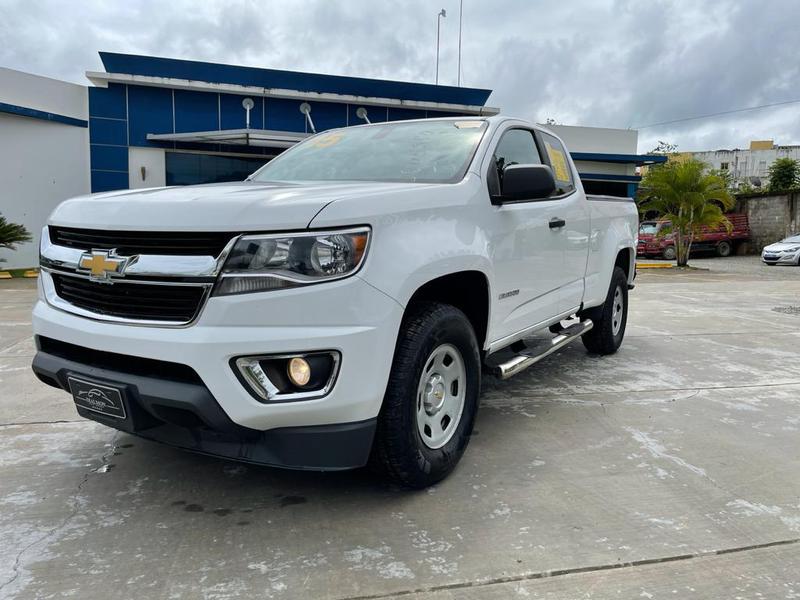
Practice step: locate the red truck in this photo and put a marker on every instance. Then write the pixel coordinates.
(656, 240)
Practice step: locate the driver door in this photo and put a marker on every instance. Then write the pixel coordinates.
(528, 260)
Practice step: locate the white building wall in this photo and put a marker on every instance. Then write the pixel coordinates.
(747, 165)
(597, 139)
(41, 162)
(146, 168)
(45, 94)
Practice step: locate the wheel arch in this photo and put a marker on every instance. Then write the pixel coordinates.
(626, 260)
(466, 290)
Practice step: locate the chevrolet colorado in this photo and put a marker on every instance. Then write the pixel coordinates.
(340, 306)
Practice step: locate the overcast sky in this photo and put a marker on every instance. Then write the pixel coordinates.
(605, 63)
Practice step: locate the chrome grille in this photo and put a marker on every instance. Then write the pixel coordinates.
(165, 282)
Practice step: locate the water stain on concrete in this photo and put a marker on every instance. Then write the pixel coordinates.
(292, 500)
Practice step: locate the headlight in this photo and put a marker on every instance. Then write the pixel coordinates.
(792, 249)
(259, 263)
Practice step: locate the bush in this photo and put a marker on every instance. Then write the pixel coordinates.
(784, 174)
(12, 234)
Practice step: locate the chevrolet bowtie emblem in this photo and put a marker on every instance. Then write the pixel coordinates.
(102, 265)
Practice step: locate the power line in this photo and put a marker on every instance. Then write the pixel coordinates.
(718, 114)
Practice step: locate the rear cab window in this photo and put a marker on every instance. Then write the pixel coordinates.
(559, 161)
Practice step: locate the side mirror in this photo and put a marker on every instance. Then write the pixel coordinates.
(526, 182)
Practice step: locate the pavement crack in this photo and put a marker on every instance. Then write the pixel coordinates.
(695, 389)
(104, 460)
(631, 564)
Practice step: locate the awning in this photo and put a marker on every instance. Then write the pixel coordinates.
(237, 137)
(633, 159)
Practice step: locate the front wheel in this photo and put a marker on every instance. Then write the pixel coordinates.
(431, 399)
(724, 248)
(610, 318)
(669, 253)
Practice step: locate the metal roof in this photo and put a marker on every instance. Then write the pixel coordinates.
(238, 137)
(213, 73)
(634, 159)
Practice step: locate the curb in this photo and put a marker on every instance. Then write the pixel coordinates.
(13, 274)
(654, 265)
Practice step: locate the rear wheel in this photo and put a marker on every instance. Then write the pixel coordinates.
(610, 318)
(431, 399)
(724, 248)
(669, 253)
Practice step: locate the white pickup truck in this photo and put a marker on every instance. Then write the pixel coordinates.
(339, 307)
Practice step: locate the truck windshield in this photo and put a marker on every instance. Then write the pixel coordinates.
(411, 151)
(648, 228)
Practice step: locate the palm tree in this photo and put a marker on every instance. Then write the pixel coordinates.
(690, 197)
(12, 234)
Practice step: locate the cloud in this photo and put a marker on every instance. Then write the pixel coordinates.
(622, 63)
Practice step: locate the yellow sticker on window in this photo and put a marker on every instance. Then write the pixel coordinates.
(324, 141)
(559, 162)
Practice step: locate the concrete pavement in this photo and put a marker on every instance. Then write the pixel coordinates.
(670, 470)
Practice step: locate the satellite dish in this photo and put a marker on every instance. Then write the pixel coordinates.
(305, 108)
(361, 113)
(248, 103)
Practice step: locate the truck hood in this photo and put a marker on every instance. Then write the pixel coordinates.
(240, 206)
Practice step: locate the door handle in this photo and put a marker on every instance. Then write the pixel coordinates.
(557, 223)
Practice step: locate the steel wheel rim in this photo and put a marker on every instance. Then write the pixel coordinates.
(440, 396)
(617, 311)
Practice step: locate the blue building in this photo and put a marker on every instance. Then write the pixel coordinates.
(148, 122)
(157, 121)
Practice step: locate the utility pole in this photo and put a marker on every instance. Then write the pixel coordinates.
(442, 13)
(460, 14)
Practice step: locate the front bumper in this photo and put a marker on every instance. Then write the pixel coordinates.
(780, 258)
(347, 315)
(168, 403)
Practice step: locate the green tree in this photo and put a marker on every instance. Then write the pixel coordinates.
(725, 175)
(684, 193)
(12, 234)
(784, 174)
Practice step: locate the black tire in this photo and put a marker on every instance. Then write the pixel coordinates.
(399, 451)
(669, 253)
(724, 249)
(602, 338)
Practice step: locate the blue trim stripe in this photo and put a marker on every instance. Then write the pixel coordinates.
(607, 177)
(636, 159)
(154, 66)
(22, 111)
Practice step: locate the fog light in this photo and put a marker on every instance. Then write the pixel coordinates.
(288, 377)
(299, 371)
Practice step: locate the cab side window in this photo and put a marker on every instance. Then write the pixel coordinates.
(559, 162)
(516, 147)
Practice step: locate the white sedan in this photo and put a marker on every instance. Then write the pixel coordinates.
(785, 252)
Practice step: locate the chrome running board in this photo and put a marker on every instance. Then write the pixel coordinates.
(522, 361)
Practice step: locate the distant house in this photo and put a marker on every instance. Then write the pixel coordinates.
(750, 165)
